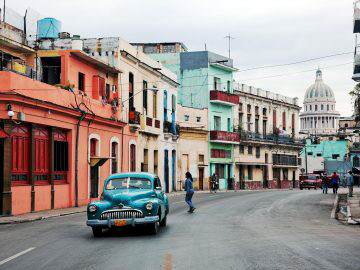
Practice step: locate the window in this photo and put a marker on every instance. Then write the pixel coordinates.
(41, 162)
(241, 120)
(81, 81)
(256, 110)
(240, 107)
(93, 146)
(241, 149)
(229, 125)
(155, 162)
(285, 174)
(20, 144)
(107, 92)
(310, 153)
(274, 122)
(264, 111)
(165, 106)
(145, 97)
(250, 172)
(217, 83)
(228, 87)
(201, 159)
(322, 107)
(155, 104)
(220, 170)
(114, 157)
(250, 150)
(131, 92)
(249, 122)
(318, 154)
(217, 123)
(316, 107)
(220, 153)
(61, 155)
(132, 157)
(157, 183)
(284, 120)
(198, 119)
(257, 152)
(248, 108)
(257, 126)
(51, 70)
(310, 107)
(144, 165)
(186, 117)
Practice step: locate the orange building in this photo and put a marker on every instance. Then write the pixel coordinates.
(61, 132)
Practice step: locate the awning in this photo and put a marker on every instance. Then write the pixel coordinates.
(98, 161)
(3, 134)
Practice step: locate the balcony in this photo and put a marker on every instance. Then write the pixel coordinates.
(224, 98)
(269, 138)
(149, 125)
(224, 136)
(170, 130)
(134, 119)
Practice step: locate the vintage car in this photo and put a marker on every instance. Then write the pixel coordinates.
(129, 199)
(310, 181)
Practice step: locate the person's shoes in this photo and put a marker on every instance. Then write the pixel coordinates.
(192, 210)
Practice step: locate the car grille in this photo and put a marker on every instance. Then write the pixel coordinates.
(121, 214)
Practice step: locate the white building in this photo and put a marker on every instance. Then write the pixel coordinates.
(319, 116)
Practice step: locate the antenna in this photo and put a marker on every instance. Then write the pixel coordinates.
(229, 37)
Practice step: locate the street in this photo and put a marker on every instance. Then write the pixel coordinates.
(231, 230)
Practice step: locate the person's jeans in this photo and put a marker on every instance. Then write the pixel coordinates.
(325, 189)
(188, 199)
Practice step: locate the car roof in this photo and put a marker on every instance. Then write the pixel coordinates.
(132, 174)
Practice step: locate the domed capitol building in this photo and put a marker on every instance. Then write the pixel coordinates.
(319, 116)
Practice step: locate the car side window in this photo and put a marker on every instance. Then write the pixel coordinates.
(157, 183)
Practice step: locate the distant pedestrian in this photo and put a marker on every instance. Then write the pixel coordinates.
(350, 183)
(189, 191)
(324, 184)
(214, 182)
(335, 182)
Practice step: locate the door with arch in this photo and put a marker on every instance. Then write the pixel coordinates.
(94, 170)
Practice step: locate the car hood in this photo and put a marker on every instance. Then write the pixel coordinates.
(127, 196)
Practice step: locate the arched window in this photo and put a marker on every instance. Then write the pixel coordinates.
(310, 108)
(322, 107)
(327, 107)
(132, 157)
(114, 157)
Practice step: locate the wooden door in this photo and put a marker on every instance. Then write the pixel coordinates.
(201, 178)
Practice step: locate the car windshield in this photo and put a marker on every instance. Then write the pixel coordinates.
(312, 177)
(128, 183)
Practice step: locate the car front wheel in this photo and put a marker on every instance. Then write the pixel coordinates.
(163, 222)
(97, 232)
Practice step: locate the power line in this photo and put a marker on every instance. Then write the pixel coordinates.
(298, 72)
(296, 62)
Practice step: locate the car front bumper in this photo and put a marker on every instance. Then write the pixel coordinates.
(131, 221)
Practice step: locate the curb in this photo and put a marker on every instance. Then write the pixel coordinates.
(40, 218)
(335, 207)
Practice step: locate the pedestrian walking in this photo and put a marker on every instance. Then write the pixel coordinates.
(214, 181)
(335, 182)
(324, 184)
(189, 191)
(350, 183)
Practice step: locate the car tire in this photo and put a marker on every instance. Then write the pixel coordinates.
(301, 188)
(163, 222)
(153, 228)
(97, 232)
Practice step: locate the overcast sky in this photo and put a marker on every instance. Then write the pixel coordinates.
(266, 33)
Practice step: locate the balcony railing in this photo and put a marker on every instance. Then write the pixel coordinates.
(169, 128)
(224, 97)
(275, 138)
(134, 118)
(225, 136)
(285, 160)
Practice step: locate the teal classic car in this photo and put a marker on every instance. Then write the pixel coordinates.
(129, 199)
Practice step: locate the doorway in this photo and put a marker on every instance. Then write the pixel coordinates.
(201, 178)
(173, 169)
(166, 170)
(1, 174)
(94, 181)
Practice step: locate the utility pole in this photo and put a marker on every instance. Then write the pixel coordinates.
(229, 37)
(4, 11)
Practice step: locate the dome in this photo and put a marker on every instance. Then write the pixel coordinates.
(319, 89)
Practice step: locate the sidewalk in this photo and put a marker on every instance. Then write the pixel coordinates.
(348, 207)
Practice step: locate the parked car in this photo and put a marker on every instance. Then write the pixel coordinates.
(310, 181)
(129, 199)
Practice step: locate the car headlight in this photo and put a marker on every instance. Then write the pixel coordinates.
(92, 208)
(149, 206)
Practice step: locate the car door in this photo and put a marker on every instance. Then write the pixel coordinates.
(159, 194)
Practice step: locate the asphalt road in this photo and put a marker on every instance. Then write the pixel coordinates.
(243, 230)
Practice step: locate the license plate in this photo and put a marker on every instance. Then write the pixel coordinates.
(120, 222)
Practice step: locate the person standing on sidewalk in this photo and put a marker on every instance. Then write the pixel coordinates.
(335, 182)
(350, 183)
(189, 191)
(324, 184)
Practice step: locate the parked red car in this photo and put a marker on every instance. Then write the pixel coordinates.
(310, 181)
